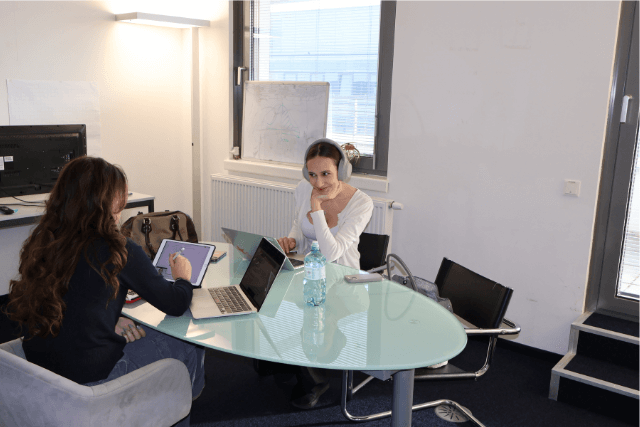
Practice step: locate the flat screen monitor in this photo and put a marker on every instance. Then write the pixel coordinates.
(31, 157)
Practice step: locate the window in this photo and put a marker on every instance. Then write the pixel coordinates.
(629, 275)
(614, 281)
(347, 43)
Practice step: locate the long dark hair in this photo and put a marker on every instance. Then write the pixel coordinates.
(79, 211)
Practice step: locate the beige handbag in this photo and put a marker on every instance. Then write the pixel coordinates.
(148, 230)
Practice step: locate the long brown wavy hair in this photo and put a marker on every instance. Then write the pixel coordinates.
(79, 211)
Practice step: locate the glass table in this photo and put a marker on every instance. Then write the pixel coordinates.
(379, 326)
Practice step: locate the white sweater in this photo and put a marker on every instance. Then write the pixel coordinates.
(343, 247)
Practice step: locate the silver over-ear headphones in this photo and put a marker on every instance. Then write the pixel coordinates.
(344, 167)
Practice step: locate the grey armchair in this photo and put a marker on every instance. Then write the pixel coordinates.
(157, 395)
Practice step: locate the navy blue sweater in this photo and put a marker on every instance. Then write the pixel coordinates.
(87, 347)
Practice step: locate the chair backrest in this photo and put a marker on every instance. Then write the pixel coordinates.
(373, 250)
(158, 394)
(475, 298)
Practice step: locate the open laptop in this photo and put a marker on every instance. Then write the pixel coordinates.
(246, 297)
(246, 244)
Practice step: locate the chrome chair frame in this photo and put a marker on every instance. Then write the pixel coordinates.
(507, 327)
(347, 378)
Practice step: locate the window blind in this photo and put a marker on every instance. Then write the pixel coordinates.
(629, 276)
(329, 41)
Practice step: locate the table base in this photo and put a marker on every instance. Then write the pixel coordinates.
(402, 406)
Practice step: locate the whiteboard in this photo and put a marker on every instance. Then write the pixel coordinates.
(281, 119)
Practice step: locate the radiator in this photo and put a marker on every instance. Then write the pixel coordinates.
(268, 208)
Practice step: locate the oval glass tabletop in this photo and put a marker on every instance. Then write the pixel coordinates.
(365, 326)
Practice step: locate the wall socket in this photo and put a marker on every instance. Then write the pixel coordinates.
(572, 187)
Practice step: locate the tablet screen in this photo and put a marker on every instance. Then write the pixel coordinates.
(198, 254)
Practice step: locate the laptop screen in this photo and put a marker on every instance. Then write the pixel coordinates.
(261, 273)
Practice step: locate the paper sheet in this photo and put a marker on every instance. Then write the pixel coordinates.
(38, 102)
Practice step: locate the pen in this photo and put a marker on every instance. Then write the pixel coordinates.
(178, 254)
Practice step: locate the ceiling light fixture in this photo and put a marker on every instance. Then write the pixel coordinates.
(161, 20)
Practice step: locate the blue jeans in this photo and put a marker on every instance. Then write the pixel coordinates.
(157, 346)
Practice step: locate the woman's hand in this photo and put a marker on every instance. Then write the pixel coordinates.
(126, 328)
(180, 268)
(287, 244)
(319, 196)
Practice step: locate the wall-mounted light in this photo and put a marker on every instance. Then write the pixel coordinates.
(161, 20)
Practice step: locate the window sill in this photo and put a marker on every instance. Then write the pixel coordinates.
(294, 172)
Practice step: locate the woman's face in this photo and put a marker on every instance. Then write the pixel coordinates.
(323, 174)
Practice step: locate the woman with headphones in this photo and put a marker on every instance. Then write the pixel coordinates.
(335, 214)
(327, 208)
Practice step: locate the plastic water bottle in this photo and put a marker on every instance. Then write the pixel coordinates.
(315, 288)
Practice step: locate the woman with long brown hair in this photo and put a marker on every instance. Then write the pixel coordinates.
(75, 270)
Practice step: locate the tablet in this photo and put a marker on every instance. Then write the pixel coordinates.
(198, 254)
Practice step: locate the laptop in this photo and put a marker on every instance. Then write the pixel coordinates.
(246, 244)
(246, 297)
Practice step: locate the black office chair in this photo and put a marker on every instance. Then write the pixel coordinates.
(373, 250)
(480, 304)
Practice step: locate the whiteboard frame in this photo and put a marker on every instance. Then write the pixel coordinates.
(244, 110)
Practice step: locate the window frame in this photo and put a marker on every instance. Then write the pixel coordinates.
(374, 165)
(615, 182)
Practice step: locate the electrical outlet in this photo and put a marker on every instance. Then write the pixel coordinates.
(572, 187)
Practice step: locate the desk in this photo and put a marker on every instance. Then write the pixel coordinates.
(15, 228)
(31, 214)
(361, 327)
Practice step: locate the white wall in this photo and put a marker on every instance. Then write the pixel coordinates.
(494, 105)
(216, 100)
(144, 81)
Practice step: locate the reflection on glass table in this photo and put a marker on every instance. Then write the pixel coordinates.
(364, 326)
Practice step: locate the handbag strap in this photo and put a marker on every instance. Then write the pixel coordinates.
(146, 230)
(413, 285)
(174, 225)
(409, 275)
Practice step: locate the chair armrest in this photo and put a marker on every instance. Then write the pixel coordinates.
(377, 269)
(14, 347)
(158, 394)
(507, 327)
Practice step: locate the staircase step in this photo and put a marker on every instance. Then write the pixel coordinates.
(608, 349)
(580, 395)
(607, 326)
(613, 324)
(561, 371)
(601, 366)
(605, 371)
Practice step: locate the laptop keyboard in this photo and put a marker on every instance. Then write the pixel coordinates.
(229, 300)
(296, 262)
